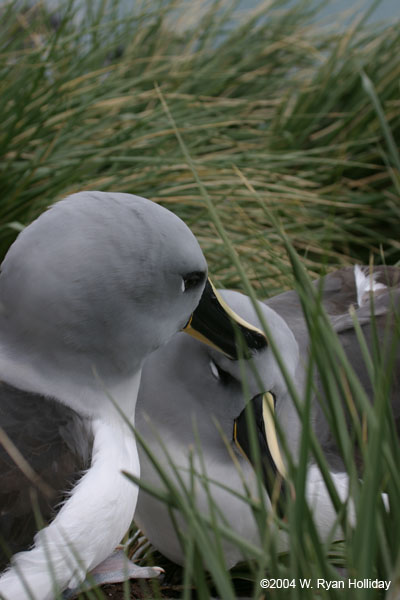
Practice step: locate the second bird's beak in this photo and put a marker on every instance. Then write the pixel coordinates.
(272, 466)
(216, 324)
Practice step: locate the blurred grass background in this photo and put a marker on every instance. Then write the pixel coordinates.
(287, 119)
(275, 93)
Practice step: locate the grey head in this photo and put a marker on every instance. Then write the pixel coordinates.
(263, 373)
(95, 284)
(187, 381)
(189, 396)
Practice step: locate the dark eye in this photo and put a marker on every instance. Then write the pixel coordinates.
(192, 280)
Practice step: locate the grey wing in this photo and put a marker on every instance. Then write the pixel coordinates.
(56, 444)
(382, 336)
(338, 294)
(380, 325)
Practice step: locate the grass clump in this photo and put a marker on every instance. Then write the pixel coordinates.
(271, 94)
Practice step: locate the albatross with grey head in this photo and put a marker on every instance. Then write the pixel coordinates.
(187, 387)
(87, 292)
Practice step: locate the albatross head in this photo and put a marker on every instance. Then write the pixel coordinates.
(263, 372)
(89, 289)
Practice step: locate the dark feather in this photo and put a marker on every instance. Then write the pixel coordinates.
(54, 440)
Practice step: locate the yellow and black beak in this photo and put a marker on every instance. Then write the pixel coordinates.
(216, 324)
(272, 465)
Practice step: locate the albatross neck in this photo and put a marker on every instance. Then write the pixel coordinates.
(76, 384)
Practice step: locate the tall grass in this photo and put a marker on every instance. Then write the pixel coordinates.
(281, 99)
(274, 136)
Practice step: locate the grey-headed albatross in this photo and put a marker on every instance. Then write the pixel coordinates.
(87, 292)
(195, 388)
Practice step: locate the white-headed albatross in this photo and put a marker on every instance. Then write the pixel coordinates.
(186, 386)
(87, 292)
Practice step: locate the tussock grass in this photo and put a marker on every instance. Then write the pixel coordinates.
(282, 100)
(273, 131)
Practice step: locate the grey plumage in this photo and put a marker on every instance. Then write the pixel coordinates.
(87, 292)
(339, 293)
(70, 263)
(214, 392)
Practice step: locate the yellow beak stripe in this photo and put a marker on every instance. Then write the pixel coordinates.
(268, 412)
(235, 317)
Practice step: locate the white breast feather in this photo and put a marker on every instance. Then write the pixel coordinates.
(89, 525)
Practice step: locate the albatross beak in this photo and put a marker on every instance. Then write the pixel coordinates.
(272, 465)
(214, 323)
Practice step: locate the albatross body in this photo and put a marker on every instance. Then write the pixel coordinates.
(87, 292)
(212, 392)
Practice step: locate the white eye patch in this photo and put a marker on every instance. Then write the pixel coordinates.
(214, 370)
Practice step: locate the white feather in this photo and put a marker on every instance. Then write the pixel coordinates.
(320, 503)
(365, 283)
(89, 525)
